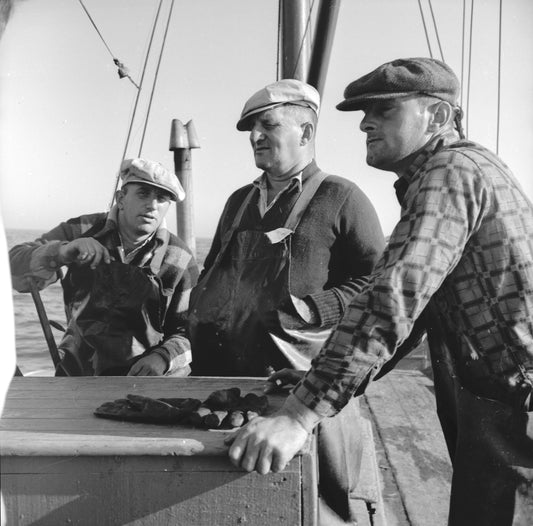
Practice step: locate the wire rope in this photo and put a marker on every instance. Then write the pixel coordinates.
(425, 29)
(436, 30)
(136, 101)
(156, 77)
(499, 78)
(469, 67)
(463, 51)
(279, 39)
(122, 70)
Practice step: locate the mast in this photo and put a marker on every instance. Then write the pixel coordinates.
(326, 23)
(294, 39)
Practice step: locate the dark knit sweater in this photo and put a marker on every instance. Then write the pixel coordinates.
(337, 242)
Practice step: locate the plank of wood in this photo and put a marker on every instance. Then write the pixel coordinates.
(402, 405)
(113, 493)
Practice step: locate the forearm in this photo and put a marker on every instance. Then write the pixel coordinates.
(329, 305)
(39, 261)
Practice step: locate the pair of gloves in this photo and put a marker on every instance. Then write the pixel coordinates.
(224, 409)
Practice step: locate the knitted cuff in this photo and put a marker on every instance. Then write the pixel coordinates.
(328, 307)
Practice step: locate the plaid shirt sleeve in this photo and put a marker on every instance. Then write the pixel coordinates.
(39, 259)
(445, 200)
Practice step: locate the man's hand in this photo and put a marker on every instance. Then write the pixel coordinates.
(282, 378)
(150, 365)
(84, 251)
(267, 444)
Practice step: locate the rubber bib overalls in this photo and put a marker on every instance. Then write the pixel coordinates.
(235, 331)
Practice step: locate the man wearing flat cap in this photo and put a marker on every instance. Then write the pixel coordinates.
(460, 263)
(127, 283)
(289, 252)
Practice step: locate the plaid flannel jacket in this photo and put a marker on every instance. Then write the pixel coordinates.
(166, 256)
(464, 244)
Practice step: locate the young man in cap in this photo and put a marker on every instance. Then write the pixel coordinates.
(460, 261)
(287, 256)
(127, 286)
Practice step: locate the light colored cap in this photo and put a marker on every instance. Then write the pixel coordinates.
(286, 91)
(152, 173)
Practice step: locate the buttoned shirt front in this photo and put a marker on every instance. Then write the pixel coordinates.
(464, 245)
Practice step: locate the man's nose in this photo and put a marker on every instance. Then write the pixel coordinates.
(151, 202)
(255, 135)
(367, 123)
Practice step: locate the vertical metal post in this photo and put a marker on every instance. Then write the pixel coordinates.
(182, 140)
(326, 22)
(295, 40)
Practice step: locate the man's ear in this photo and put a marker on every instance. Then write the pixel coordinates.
(119, 198)
(308, 132)
(441, 115)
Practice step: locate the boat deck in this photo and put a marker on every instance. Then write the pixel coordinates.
(413, 463)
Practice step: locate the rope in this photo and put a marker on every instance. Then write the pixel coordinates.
(155, 77)
(469, 66)
(279, 39)
(303, 37)
(499, 78)
(436, 30)
(122, 70)
(136, 101)
(425, 29)
(463, 50)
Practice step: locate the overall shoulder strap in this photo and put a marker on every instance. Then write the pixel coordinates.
(308, 191)
(226, 238)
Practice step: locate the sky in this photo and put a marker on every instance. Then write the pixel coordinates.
(64, 112)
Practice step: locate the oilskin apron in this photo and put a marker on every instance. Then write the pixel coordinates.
(119, 318)
(235, 331)
(490, 445)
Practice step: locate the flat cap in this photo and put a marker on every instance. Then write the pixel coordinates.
(151, 173)
(286, 91)
(409, 76)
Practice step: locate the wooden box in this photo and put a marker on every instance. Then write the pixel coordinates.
(63, 465)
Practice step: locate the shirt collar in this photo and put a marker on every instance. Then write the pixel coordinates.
(261, 181)
(435, 144)
(160, 238)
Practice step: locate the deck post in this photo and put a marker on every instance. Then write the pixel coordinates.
(183, 138)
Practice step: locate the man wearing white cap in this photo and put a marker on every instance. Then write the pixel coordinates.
(288, 254)
(127, 286)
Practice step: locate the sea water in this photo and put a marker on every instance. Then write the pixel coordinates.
(33, 357)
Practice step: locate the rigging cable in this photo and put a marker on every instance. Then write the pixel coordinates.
(136, 101)
(279, 39)
(469, 65)
(436, 30)
(499, 79)
(303, 38)
(463, 51)
(155, 77)
(122, 70)
(425, 29)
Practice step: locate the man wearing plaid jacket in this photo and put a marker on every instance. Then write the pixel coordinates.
(127, 287)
